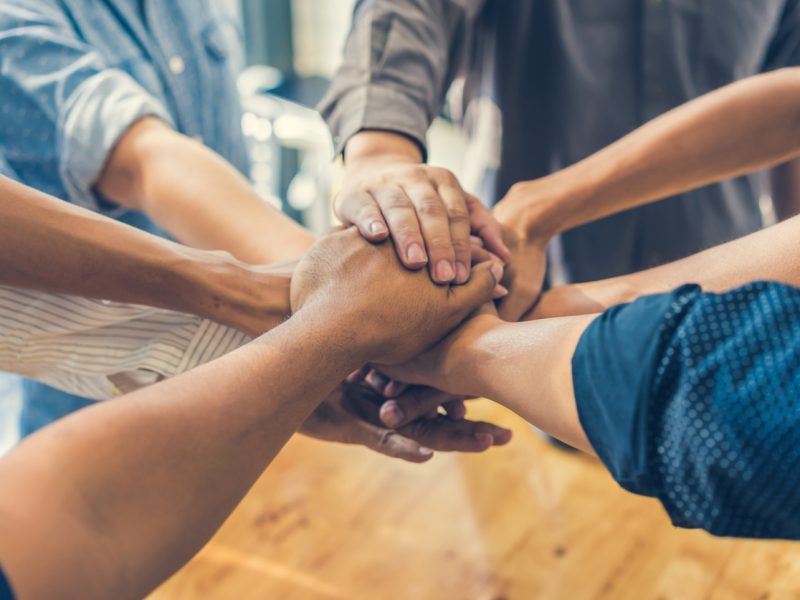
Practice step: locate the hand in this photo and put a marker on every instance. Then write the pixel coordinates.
(384, 312)
(424, 209)
(441, 366)
(350, 416)
(523, 277)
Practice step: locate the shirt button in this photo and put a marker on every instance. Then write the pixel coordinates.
(176, 65)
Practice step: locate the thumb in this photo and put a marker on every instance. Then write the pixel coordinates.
(478, 290)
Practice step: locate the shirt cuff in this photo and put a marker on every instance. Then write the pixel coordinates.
(97, 114)
(376, 107)
(613, 371)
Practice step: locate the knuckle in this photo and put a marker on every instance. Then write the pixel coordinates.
(431, 206)
(447, 177)
(458, 216)
(461, 246)
(419, 172)
(395, 201)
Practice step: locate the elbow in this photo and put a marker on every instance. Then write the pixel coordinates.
(123, 180)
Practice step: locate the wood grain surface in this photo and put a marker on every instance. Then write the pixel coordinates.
(516, 523)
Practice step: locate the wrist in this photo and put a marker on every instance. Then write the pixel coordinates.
(381, 146)
(540, 209)
(464, 361)
(218, 287)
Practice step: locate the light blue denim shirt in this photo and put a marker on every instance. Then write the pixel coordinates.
(75, 74)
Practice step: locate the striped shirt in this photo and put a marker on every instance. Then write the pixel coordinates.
(100, 349)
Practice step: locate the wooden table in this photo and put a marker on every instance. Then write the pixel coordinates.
(521, 522)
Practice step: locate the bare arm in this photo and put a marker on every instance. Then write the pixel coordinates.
(196, 196)
(485, 357)
(49, 245)
(110, 501)
(399, 61)
(738, 129)
(771, 254)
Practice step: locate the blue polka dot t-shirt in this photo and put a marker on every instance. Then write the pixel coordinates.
(694, 398)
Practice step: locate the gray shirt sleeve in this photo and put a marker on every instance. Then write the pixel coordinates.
(399, 61)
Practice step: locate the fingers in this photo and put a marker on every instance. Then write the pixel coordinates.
(433, 221)
(361, 209)
(416, 403)
(401, 217)
(455, 409)
(448, 435)
(479, 289)
(417, 439)
(520, 300)
(455, 202)
(487, 228)
(480, 255)
(391, 443)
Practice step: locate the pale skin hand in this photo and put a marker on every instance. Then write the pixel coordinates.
(195, 195)
(388, 192)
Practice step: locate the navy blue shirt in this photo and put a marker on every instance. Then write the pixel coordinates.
(5, 588)
(694, 398)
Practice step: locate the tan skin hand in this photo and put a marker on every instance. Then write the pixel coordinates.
(527, 235)
(387, 313)
(388, 192)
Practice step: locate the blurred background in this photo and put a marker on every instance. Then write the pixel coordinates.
(290, 58)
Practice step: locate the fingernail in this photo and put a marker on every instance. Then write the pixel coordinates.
(499, 292)
(377, 228)
(393, 389)
(484, 439)
(416, 254)
(462, 272)
(497, 271)
(425, 451)
(444, 271)
(503, 436)
(392, 414)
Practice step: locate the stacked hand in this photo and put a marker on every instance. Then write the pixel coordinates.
(387, 192)
(384, 312)
(387, 314)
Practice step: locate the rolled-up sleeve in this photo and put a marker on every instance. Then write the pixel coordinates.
(399, 61)
(694, 398)
(61, 97)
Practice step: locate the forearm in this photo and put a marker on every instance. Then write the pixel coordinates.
(741, 128)
(197, 197)
(526, 367)
(770, 254)
(141, 483)
(52, 246)
(382, 145)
